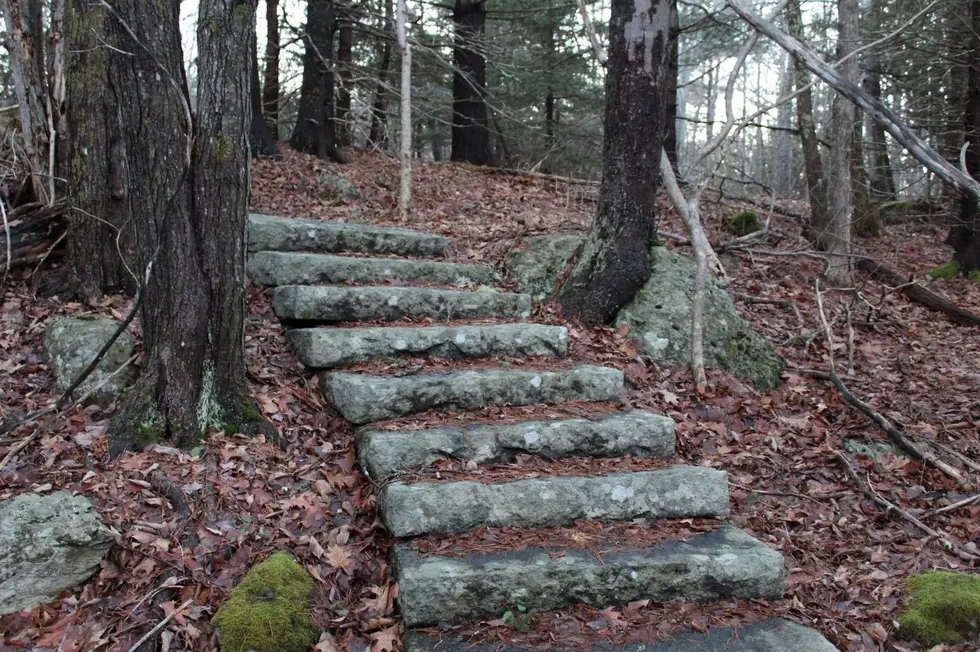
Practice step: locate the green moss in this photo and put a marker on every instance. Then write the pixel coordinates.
(748, 357)
(269, 610)
(945, 609)
(975, 276)
(241, 11)
(222, 149)
(949, 270)
(250, 413)
(743, 223)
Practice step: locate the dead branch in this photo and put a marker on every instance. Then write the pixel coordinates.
(540, 176)
(960, 503)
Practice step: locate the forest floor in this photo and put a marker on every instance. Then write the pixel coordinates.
(847, 558)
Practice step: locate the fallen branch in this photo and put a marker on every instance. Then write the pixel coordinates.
(918, 293)
(960, 503)
(540, 176)
(159, 626)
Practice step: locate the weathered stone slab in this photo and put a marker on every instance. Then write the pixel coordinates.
(775, 635)
(325, 348)
(48, 544)
(362, 398)
(437, 507)
(721, 565)
(336, 304)
(288, 268)
(71, 344)
(538, 264)
(660, 315)
(383, 453)
(271, 233)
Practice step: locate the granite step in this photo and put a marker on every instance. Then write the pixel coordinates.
(272, 233)
(773, 635)
(362, 398)
(288, 268)
(384, 453)
(326, 348)
(445, 507)
(721, 565)
(329, 304)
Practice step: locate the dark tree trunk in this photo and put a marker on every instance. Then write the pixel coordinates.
(378, 133)
(189, 217)
(345, 47)
(550, 115)
(615, 261)
(260, 139)
(270, 87)
(867, 222)
(965, 236)
(812, 163)
(314, 132)
(471, 133)
(670, 138)
(92, 160)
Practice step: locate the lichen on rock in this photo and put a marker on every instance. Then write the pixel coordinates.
(71, 344)
(538, 265)
(945, 609)
(269, 611)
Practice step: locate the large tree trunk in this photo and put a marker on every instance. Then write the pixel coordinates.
(260, 139)
(92, 160)
(965, 236)
(377, 135)
(615, 262)
(314, 132)
(670, 121)
(270, 86)
(345, 47)
(471, 133)
(189, 212)
(813, 164)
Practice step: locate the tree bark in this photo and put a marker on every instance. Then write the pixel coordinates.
(670, 121)
(345, 47)
(379, 109)
(188, 207)
(471, 132)
(965, 236)
(879, 166)
(260, 139)
(405, 151)
(270, 87)
(314, 132)
(615, 262)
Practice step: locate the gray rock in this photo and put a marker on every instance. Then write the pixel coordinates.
(438, 507)
(48, 544)
(660, 315)
(334, 304)
(871, 449)
(71, 344)
(270, 233)
(383, 453)
(337, 189)
(362, 398)
(775, 635)
(537, 266)
(324, 348)
(286, 268)
(721, 565)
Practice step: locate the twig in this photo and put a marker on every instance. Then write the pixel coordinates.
(6, 232)
(960, 503)
(163, 623)
(869, 491)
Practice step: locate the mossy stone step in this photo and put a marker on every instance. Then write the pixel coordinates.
(329, 304)
(383, 453)
(327, 348)
(441, 507)
(288, 268)
(272, 233)
(362, 398)
(721, 565)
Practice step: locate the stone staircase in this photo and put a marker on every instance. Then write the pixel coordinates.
(454, 586)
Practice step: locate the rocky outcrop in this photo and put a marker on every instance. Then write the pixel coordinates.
(660, 316)
(537, 265)
(71, 344)
(48, 544)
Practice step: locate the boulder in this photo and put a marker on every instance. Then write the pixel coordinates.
(48, 544)
(269, 611)
(660, 316)
(71, 344)
(337, 189)
(537, 266)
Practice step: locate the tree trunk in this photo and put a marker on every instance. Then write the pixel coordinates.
(879, 166)
(314, 132)
(188, 209)
(92, 160)
(471, 133)
(965, 236)
(783, 179)
(405, 150)
(270, 87)
(260, 139)
(670, 136)
(813, 164)
(867, 223)
(345, 47)
(615, 262)
(379, 110)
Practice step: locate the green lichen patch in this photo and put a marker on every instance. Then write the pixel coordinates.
(743, 223)
(222, 147)
(945, 609)
(949, 270)
(269, 611)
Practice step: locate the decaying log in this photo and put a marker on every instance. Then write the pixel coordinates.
(34, 228)
(918, 293)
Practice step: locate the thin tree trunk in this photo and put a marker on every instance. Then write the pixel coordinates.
(614, 262)
(261, 142)
(783, 177)
(867, 223)
(879, 167)
(670, 137)
(345, 47)
(965, 236)
(379, 109)
(405, 188)
(270, 87)
(471, 133)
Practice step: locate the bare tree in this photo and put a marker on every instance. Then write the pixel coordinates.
(405, 190)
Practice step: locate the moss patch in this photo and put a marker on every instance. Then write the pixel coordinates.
(269, 611)
(945, 609)
(743, 223)
(949, 270)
